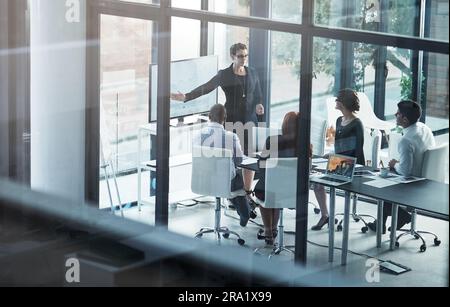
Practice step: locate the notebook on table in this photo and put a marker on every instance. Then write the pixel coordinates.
(340, 170)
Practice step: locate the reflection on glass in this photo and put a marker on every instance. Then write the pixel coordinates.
(399, 17)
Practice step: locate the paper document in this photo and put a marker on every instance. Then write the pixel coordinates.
(319, 160)
(365, 173)
(249, 161)
(380, 183)
(406, 179)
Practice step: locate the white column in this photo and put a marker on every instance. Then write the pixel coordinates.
(58, 43)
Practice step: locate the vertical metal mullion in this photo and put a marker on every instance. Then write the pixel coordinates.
(4, 90)
(92, 133)
(347, 63)
(380, 66)
(301, 221)
(259, 49)
(204, 31)
(425, 60)
(347, 53)
(417, 57)
(418, 61)
(163, 122)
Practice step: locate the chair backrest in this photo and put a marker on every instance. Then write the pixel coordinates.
(366, 114)
(281, 183)
(211, 171)
(372, 145)
(434, 161)
(318, 134)
(332, 113)
(260, 135)
(394, 139)
(368, 117)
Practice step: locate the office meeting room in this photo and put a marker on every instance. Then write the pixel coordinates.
(218, 143)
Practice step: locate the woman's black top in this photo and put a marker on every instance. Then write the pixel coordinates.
(286, 149)
(242, 93)
(349, 140)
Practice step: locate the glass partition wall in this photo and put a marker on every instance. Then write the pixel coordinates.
(303, 53)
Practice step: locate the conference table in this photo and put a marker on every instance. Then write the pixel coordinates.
(424, 195)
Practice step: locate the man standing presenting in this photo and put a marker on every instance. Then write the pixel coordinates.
(417, 138)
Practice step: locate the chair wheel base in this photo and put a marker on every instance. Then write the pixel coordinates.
(423, 248)
(316, 210)
(226, 235)
(241, 241)
(364, 229)
(437, 242)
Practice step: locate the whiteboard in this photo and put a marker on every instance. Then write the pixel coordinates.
(185, 76)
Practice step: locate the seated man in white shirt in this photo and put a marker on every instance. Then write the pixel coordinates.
(214, 135)
(417, 138)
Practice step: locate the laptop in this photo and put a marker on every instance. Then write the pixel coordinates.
(340, 170)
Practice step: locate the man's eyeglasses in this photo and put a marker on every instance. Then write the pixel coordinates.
(241, 56)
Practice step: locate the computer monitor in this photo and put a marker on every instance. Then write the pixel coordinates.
(186, 75)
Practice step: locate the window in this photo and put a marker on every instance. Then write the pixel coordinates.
(285, 75)
(401, 16)
(126, 54)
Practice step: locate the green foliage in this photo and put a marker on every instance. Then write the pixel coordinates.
(406, 87)
(286, 47)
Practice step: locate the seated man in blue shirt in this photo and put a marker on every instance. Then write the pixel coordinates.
(214, 135)
(417, 138)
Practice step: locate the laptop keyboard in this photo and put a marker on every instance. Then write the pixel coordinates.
(333, 179)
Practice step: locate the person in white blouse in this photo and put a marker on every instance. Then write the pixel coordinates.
(416, 139)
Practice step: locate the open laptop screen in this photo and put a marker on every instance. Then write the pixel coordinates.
(341, 166)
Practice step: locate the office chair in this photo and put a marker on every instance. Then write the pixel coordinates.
(372, 147)
(211, 176)
(368, 117)
(432, 169)
(394, 140)
(260, 135)
(281, 192)
(366, 114)
(318, 139)
(318, 135)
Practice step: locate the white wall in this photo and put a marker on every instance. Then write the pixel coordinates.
(57, 99)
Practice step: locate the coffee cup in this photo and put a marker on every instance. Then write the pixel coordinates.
(384, 172)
